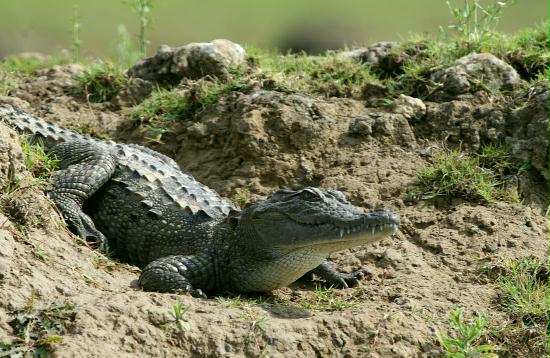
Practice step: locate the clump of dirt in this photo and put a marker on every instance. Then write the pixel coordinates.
(248, 143)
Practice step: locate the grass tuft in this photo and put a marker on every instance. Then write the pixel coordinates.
(522, 285)
(37, 161)
(476, 177)
(330, 299)
(164, 107)
(14, 68)
(102, 81)
(328, 75)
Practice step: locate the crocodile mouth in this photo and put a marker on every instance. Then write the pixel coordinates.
(366, 228)
(341, 235)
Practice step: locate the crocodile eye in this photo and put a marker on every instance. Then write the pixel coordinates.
(309, 196)
(338, 195)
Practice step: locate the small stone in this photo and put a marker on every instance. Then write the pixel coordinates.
(411, 108)
(511, 243)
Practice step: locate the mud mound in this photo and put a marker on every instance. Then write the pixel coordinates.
(248, 143)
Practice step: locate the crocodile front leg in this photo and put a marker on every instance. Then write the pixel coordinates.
(176, 273)
(84, 168)
(336, 278)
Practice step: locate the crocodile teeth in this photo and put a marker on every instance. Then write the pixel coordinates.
(393, 229)
(341, 233)
(372, 229)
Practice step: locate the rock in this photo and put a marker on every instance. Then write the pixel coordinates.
(462, 122)
(15, 102)
(527, 131)
(193, 61)
(484, 67)
(371, 55)
(410, 107)
(375, 90)
(133, 93)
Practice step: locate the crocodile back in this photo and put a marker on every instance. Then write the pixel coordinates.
(141, 170)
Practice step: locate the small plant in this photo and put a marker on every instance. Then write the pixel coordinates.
(38, 330)
(125, 51)
(467, 340)
(142, 8)
(242, 197)
(8, 81)
(178, 311)
(254, 339)
(474, 22)
(102, 81)
(75, 33)
(37, 161)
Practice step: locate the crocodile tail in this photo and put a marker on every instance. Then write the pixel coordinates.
(39, 131)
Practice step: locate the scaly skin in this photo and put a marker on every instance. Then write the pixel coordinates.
(184, 235)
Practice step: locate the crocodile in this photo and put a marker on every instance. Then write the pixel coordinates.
(184, 235)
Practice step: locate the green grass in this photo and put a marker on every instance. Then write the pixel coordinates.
(476, 177)
(162, 106)
(410, 65)
(327, 75)
(14, 68)
(37, 161)
(522, 286)
(331, 299)
(101, 81)
(468, 338)
(38, 330)
(165, 106)
(178, 321)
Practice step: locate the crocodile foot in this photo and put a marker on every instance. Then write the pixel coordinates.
(172, 274)
(338, 279)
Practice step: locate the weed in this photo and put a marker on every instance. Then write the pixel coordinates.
(26, 65)
(523, 286)
(142, 8)
(255, 340)
(102, 81)
(468, 338)
(8, 82)
(103, 261)
(75, 33)
(474, 22)
(38, 330)
(242, 198)
(233, 301)
(126, 54)
(480, 176)
(41, 255)
(178, 311)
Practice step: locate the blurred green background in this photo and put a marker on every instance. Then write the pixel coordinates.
(45, 25)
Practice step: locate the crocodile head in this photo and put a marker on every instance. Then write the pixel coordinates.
(299, 229)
